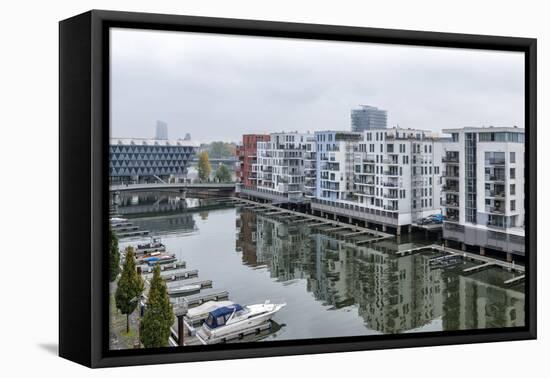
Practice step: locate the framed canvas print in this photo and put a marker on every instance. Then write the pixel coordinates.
(236, 188)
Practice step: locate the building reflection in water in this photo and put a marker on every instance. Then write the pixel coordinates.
(392, 294)
(159, 213)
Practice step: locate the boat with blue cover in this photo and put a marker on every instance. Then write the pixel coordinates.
(234, 319)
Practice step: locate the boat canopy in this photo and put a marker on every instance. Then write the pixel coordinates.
(219, 316)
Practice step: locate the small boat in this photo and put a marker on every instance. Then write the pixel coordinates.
(155, 245)
(234, 319)
(165, 259)
(152, 255)
(184, 289)
(115, 220)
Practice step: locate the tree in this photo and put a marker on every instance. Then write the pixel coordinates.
(220, 150)
(129, 288)
(159, 315)
(114, 256)
(223, 174)
(204, 166)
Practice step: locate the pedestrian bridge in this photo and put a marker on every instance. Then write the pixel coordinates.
(175, 187)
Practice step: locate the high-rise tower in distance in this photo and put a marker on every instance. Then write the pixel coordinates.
(367, 118)
(161, 131)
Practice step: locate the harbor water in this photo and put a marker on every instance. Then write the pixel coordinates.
(333, 286)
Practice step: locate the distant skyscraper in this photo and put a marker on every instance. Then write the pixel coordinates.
(368, 118)
(162, 131)
(187, 137)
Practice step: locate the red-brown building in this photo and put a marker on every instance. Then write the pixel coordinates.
(247, 156)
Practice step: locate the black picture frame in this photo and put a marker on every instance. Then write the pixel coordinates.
(83, 181)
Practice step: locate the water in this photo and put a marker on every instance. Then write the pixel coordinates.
(332, 287)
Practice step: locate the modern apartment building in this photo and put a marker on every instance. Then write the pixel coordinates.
(281, 168)
(390, 177)
(484, 189)
(247, 153)
(367, 118)
(335, 151)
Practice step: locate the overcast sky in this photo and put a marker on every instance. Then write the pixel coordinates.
(219, 87)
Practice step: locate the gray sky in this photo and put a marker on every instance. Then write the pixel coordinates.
(220, 87)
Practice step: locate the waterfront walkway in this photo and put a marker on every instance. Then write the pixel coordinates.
(355, 230)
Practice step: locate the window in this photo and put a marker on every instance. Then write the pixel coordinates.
(512, 157)
(513, 205)
(512, 189)
(512, 173)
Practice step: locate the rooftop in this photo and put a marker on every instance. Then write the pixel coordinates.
(485, 129)
(152, 142)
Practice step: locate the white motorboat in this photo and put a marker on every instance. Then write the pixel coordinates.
(117, 220)
(204, 309)
(184, 289)
(234, 319)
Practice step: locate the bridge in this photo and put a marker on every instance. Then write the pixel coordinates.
(198, 190)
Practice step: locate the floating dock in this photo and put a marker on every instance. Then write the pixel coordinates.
(180, 275)
(236, 336)
(130, 234)
(515, 280)
(477, 268)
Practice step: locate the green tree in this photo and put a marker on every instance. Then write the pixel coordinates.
(129, 287)
(114, 256)
(204, 166)
(159, 315)
(220, 150)
(223, 174)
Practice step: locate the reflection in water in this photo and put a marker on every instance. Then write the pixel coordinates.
(393, 294)
(332, 286)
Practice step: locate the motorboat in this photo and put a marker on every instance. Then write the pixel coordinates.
(203, 310)
(116, 220)
(155, 245)
(162, 259)
(184, 289)
(235, 319)
(153, 255)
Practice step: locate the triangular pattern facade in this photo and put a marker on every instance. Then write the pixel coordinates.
(149, 160)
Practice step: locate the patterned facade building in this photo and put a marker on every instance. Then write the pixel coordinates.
(148, 160)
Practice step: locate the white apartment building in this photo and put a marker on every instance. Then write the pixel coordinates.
(335, 151)
(389, 177)
(280, 166)
(484, 188)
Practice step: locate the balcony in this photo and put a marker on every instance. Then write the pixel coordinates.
(391, 195)
(495, 194)
(450, 174)
(494, 210)
(493, 161)
(449, 159)
(391, 208)
(496, 223)
(391, 173)
(450, 188)
(450, 204)
(390, 161)
(495, 178)
(390, 184)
